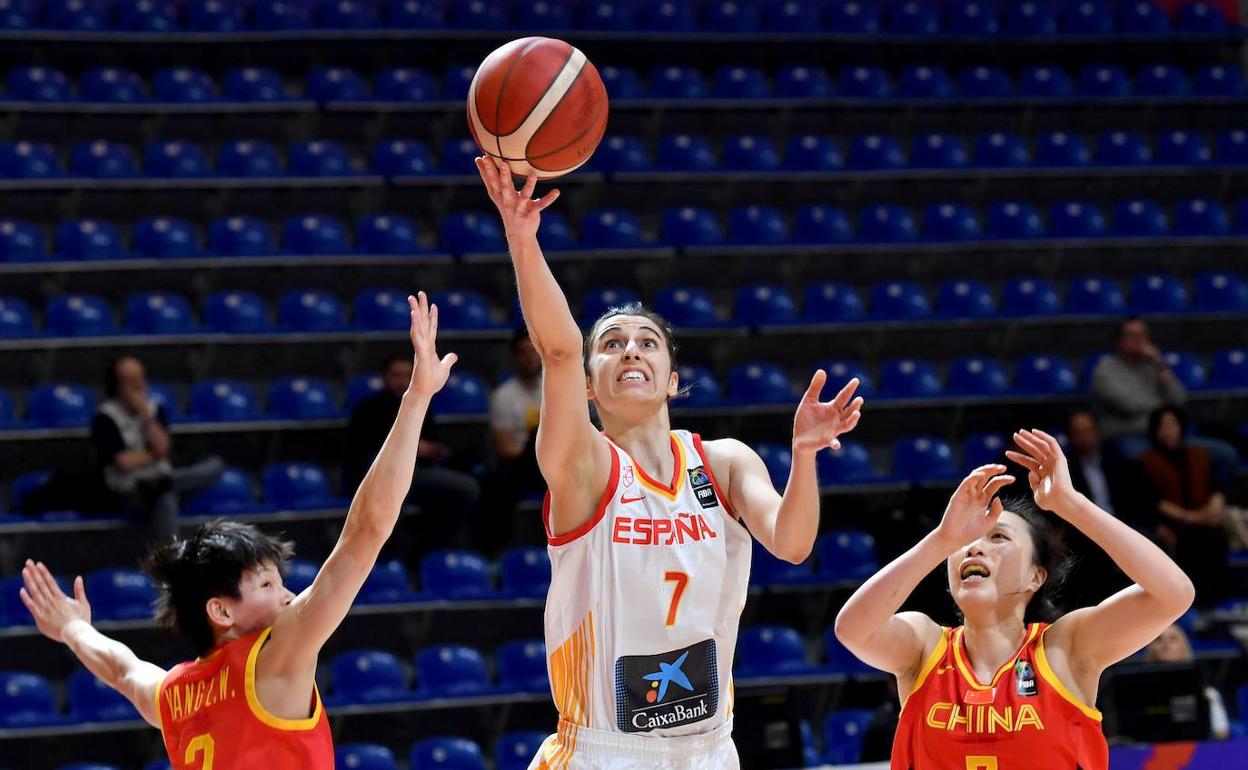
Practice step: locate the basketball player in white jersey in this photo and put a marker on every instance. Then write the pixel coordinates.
(648, 528)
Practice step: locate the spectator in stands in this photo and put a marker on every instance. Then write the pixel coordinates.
(132, 447)
(1190, 509)
(449, 493)
(1173, 647)
(1095, 474)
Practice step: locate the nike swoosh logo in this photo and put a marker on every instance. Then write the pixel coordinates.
(942, 670)
(626, 500)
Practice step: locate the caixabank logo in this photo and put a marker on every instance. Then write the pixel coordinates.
(666, 690)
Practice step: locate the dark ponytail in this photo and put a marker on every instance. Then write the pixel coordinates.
(1050, 552)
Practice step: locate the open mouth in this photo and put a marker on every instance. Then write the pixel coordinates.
(974, 573)
(633, 375)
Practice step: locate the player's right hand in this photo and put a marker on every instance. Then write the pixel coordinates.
(521, 213)
(429, 373)
(974, 508)
(53, 610)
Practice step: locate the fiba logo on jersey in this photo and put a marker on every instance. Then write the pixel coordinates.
(702, 487)
(671, 689)
(1024, 678)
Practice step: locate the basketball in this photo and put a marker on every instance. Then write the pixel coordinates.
(538, 104)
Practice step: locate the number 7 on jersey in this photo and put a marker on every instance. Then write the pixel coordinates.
(681, 581)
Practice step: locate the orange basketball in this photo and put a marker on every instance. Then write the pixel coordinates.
(538, 104)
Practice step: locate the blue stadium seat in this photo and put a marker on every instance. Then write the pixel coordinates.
(611, 229)
(764, 651)
(313, 234)
(364, 756)
(1162, 80)
(319, 158)
(852, 17)
(147, 16)
(699, 385)
(766, 569)
(386, 234)
(543, 14)
(841, 371)
(1158, 293)
(28, 160)
(299, 574)
(236, 312)
(685, 152)
(911, 17)
(515, 750)
(778, 459)
(458, 156)
(621, 154)
(223, 401)
(158, 764)
(607, 15)
(846, 555)
(164, 238)
(451, 574)
(1229, 370)
(977, 376)
(1201, 18)
(923, 458)
(387, 583)
(1187, 368)
(456, 81)
(873, 152)
(1142, 17)
(1200, 217)
(465, 232)
(121, 594)
(1061, 149)
(747, 152)
(736, 82)
(282, 15)
(1029, 297)
(687, 307)
(1031, 18)
(159, 312)
(381, 310)
(690, 226)
(938, 151)
(90, 700)
(791, 16)
(1076, 219)
(950, 222)
(298, 487)
(183, 85)
(1104, 81)
(400, 157)
(886, 223)
(8, 416)
(404, 84)
(335, 84)
(762, 304)
(302, 398)
(1122, 148)
(831, 302)
(463, 310)
(78, 315)
(348, 14)
(810, 152)
(368, 676)
(17, 14)
(972, 18)
(451, 671)
(165, 398)
(1087, 17)
(1221, 293)
(757, 226)
(231, 494)
(89, 239)
(802, 82)
(759, 383)
(464, 393)
(19, 490)
(1182, 148)
(1042, 81)
(1140, 219)
(621, 83)
(214, 16)
(851, 464)
(447, 753)
(865, 82)
(27, 700)
(843, 733)
(899, 301)
(964, 298)
(1218, 80)
(595, 302)
(676, 82)
(175, 160)
(983, 449)
(822, 224)
(909, 378)
(525, 572)
(985, 83)
(111, 84)
(59, 405)
(38, 84)
(311, 310)
(361, 386)
(925, 82)
(522, 666)
(100, 159)
(16, 319)
(732, 16)
(20, 241)
(1094, 295)
(253, 84)
(248, 158)
(1041, 374)
(1232, 148)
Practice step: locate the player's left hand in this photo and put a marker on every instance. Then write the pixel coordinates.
(429, 373)
(817, 425)
(1047, 470)
(49, 605)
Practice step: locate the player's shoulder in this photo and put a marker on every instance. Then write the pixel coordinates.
(724, 448)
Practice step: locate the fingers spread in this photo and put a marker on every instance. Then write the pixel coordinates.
(1027, 461)
(530, 184)
(816, 385)
(80, 589)
(846, 393)
(543, 202)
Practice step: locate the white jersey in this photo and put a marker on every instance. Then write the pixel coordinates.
(644, 604)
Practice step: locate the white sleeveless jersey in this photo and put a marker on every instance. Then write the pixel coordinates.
(645, 600)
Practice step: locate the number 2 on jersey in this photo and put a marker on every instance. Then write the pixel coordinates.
(981, 763)
(681, 580)
(201, 744)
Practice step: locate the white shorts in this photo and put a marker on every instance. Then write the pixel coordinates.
(579, 748)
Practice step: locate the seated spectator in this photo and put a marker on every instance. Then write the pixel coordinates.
(1173, 647)
(515, 407)
(1093, 472)
(1189, 506)
(132, 446)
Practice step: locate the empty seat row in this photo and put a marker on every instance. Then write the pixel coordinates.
(184, 85)
(966, 18)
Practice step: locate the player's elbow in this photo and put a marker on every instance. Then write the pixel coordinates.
(793, 554)
(845, 629)
(1184, 594)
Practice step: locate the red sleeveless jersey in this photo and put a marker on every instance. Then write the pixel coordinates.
(211, 718)
(1024, 719)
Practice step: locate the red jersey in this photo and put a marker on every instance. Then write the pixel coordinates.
(210, 717)
(1024, 719)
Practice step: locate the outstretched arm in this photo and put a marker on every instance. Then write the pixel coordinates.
(68, 620)
(1097, 637)
(869, 624)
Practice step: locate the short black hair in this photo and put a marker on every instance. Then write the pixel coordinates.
(209, 563)
(1050, 552)
(394, 358)
(111, 382)
(1154, 420)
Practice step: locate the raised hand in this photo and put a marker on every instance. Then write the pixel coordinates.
(53, 610)
(1047, 471)
(521, 213)
(429, 373)
(974, 508)
(819, 424)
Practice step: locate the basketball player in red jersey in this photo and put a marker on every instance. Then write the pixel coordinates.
(249, 701)
(1012, 688)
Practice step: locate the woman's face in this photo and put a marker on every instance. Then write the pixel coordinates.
(1170, 647)
(997, 568)
(1169, 431)
(629, 364)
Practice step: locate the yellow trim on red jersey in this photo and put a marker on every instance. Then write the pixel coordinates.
(253, 701)
(933, 659)
(1045, 671)
(969, 675)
